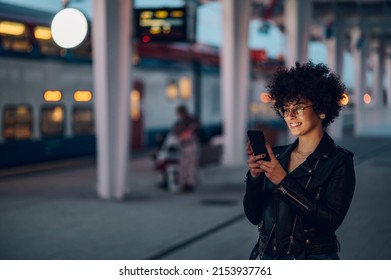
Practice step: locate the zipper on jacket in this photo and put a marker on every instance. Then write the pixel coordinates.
(284, 191)
(318, 194)
(290, 244)
(267, 243)
(291, 238)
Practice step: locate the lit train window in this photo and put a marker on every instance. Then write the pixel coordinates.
(46, 44)
(52, 121)
(17, 122)
(82, 96)
(83, 120)
(14, 36)
(52, 95)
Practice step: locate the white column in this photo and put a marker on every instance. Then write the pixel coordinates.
(377, 59)
(335, 62)
(235, 77)
(297, 18)
(111, 70)
(297, 21)
(359, 51)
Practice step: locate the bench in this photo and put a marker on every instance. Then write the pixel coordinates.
(209, 155)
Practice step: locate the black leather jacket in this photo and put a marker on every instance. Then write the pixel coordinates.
(299, 217)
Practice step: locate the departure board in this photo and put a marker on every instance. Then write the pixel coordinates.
(160, 25)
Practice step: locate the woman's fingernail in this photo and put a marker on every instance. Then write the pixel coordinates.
(263, 155)
(267, 143)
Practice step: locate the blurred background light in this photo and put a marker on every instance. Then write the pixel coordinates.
(265, 97)
(172, 90)
(367, 98)
(58, 114)
(135, 104)
(345, 99)
(42, 33)
(52, 96)
(82, 96)
(69, 28)
(185, 87)
(12, 28)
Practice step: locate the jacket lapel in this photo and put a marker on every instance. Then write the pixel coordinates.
(321, 152)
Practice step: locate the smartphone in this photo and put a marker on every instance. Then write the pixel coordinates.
(257, 142)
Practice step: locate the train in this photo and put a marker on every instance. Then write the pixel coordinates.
(47, 96)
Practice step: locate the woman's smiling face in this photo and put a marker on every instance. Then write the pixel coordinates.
(300, 117)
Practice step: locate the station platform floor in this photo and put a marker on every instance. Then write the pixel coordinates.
(55, 214)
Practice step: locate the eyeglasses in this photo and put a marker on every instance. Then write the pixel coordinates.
(297, 111)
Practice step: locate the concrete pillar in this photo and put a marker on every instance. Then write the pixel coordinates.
(388, 74)
(111, 70)
(335, 48)
(197, 86)
(297, 21)
(297, 17)
(335, 62)
(235, 77)
(359, 46)
(377, 56)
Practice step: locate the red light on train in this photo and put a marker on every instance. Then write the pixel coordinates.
(146, 39)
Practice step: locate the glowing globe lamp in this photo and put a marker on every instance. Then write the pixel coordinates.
(69, 28)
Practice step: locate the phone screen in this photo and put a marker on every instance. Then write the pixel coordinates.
(257, 142)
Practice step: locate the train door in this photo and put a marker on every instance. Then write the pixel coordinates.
(136, 115)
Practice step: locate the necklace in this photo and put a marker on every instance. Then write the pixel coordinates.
(303, 155)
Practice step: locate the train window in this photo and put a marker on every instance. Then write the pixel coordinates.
(46, 44)
(52, 121)
(17, 122)
(83, 120)
(14, 36)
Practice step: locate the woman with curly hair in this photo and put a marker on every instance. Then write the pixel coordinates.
(301, 196)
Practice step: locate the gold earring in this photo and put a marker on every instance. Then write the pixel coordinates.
(322, 116)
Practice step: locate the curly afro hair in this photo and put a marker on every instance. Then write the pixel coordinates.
(314, 82)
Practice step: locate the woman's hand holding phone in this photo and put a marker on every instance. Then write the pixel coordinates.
(272, 169)
(255, 169)
(257, 142)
